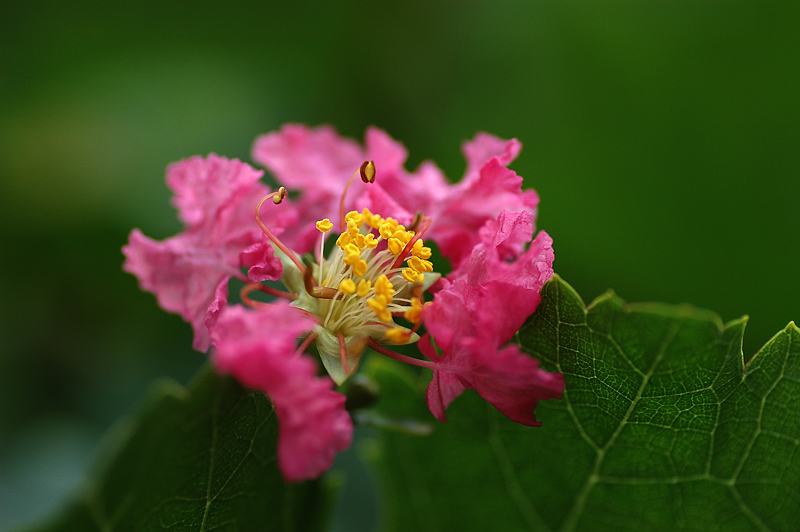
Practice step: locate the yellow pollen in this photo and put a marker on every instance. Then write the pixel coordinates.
(363, 287)
(343, 240)
(360, 268)
(398, 335)
(383, 299)
(419, 250)
(384, 286)
(420, 265)
(352, 227)
(324, 225)
(354, 216)
(368, 217)
(370, 242)
(412, 276)
(395, 246)
(347, 286)
(386, 230)
(360, 240)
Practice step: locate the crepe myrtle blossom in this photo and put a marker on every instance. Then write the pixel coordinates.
(377, 288)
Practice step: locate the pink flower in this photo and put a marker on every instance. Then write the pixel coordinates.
(319, 162)
(258, 348)
(369, 291)
(470, 320)
(215, 198)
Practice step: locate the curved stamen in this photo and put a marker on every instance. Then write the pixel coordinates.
(367, 173)
(277, 197)
(320, 292)
(249, 288)
(401, 358)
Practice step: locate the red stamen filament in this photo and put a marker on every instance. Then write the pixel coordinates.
(343, 353)
(397, 356)
(251, 287)
(307, 341)
(289, 253)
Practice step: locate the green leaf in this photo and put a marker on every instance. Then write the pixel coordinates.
(660, 428)
(199, 458)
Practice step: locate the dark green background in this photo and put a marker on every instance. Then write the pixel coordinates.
(663, 138)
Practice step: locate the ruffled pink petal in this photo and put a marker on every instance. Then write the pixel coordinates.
(207, 187)
(183, 276)
(314, 160)
(378, 201)
(262, 262)
(479, 308)
(484, 147)
(216, 198)
(317, 162)
(511, 381)
(473, 203)
(259, 349)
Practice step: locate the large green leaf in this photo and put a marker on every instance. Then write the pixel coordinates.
(198, 458)
(662, 426)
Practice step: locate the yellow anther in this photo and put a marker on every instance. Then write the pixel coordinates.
(279, 196)
(377, 221)
(384, 286)
(370, 242)
(360, 240)
(352, 227)
(383, 299)
(324, 225)
(398, 335)
(354, 216)
(414, 313)
(380, 310)
(343, 240)
(363, 287)
(360, 268)
(420, 265)
(401, 235)
(347, 286)
(367, 214)
(384, 315)
(419, 250)
(351, 249)
(395, 246)
(367, 171)
(412, 276)
(386, 230)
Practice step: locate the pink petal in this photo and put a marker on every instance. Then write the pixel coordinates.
(216, 198)
(183, 277)
(258, 348)
(512, 382)
(483, 147)
(316, 161)
(264, 265)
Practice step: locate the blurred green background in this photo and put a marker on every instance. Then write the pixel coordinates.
(663, 138)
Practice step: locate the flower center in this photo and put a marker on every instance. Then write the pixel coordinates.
(378, 270)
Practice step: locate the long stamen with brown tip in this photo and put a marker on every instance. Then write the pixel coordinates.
(277, 197)
(367, 173)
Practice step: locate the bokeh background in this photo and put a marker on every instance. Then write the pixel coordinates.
(663, 138)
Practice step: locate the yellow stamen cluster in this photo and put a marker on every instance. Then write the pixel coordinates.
(374, 283)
